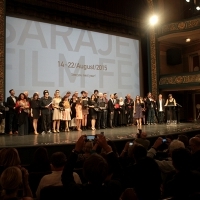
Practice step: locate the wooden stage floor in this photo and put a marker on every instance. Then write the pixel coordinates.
(116, 134)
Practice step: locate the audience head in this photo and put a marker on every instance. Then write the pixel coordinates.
(115, 95)
(198, 135)
(58, 160)
(88, 147)
(40, 156)
(95, 169)
(143, 135)
(181, 159)
(184, 139)
(175, 144)
(11, 180)
(10, 157)
(137, 151)
(194, 144)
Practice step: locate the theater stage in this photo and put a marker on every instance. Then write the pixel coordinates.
(122, 133)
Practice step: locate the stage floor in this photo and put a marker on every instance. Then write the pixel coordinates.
(122, 133)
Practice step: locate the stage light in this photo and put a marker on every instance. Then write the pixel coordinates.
(198, 7)
(188, 0)
(153, 20)
(188, 40)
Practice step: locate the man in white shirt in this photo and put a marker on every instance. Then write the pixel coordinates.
(58, 161)
(160, 109)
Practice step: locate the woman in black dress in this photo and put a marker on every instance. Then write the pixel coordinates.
(93, 113)
(35, 111)
(73, 112)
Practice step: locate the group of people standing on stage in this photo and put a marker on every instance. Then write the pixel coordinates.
(81, 112)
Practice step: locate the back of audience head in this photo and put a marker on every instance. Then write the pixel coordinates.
(95, 169)
(175, 144)
(184, 139)
(181, 159)
(58, 160)
(194, 144)
(11, 180)
(40, 156)
(88, 147)
(137, 151)
(10, 157)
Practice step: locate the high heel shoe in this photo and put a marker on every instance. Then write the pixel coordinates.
(35, 132)
(58, 131)
(54, 131)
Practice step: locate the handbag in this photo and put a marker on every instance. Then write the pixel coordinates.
(62, 109)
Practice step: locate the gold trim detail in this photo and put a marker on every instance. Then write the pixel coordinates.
(2, 44)
(180, 26)
(153, 63)
(173, 80)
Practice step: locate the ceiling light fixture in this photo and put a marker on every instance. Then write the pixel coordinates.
(153, 20)
(188, 40)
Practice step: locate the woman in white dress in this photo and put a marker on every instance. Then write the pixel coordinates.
(66, 113)
(56, 112)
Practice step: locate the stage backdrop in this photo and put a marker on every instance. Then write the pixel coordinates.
(43, 56)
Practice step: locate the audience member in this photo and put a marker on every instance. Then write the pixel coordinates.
(58, 161)
(141, 139)
(195, 150)
(41, 161)
(185, 182)
(9, 157)
(165, 166)
(184, 139)
(95, 170)
(87, 149)
(141, 174)
(14, 184)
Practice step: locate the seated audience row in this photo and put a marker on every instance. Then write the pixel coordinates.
(95, 170)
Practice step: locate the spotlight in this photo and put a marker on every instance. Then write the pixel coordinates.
(198, 7)
(188, 0)
(188, 40)
(153, 20)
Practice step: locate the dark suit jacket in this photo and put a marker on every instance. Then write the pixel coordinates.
(11, 104)
(110, 106)
(158, 105)
(128, 104)
(149, 104)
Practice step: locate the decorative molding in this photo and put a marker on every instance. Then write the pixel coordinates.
(2, 45)
(153, 60)
(179, 79)
(180, 26)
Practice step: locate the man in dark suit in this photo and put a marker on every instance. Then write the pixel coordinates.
(111, 109)
(129, 103)
(160, 104)
(151, 106)
(11, 102)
